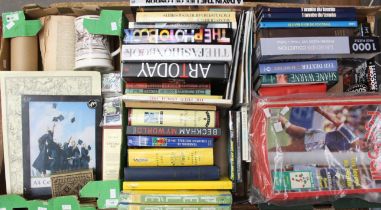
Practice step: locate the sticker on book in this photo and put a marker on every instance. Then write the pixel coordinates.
(151, 117)
(293, 180)
(300, 180)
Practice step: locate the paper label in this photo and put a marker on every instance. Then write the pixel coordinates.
(3, 209)
(112, 193)
(114, 26)
(112, 203)
(66, 207)
(10, 25)
(267, 113)
(13, 17)
(41, 208)
(184, 2)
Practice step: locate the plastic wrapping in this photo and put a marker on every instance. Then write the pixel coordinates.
(313, 148)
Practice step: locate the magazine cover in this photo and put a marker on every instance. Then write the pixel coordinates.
(317, 147)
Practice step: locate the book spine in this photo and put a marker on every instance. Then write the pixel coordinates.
(308, 9)
(180, 52)
(164, 71)
(172, 207)
(169, 91)
(301, 46)
(175, 118)
(298, 67)
(112, 147)
(188, 99)
(173, 131)
(189, 17)
(140, 197)
(372, 76)
(135, 25)
(222, 184)
(238, 146)
(292, 89)
(307, 16)
(170, 157)
(308, 24)
(146, 85)
(231, 142)
(171, 173)
(300, 32)
(178, 36)
(179, 142)
(300, 78)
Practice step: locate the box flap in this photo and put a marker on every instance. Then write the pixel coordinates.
(107, 192)
(15, 25)
(110, 23)
(9, 202)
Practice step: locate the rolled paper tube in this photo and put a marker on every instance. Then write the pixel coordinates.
(24, 53)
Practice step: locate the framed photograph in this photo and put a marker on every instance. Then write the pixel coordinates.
(60, 133)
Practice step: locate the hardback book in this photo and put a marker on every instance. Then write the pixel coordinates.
(178, 99)
(171, 207)
(147, 105)
(175, 118)
(298, 67)
(176, 197)
(283, 90)
(112, 147)
(359, 75)
(177, 36)
(161, 71)
(166, 85)
(222, 184)
(171, 173)
(176, 142)
(188, 17)
(323, 153)
(301, 32)
(306, 9)
(173, 131)
(170, 157)
(307, 16)
(169, 91)
(183, 25)
(294, 48)
(307, 24)
(177, 52)
(231, 146)
(300, 78)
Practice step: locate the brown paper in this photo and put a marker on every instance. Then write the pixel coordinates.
(24, 52)
(57, 43)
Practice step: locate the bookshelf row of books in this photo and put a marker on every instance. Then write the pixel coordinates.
(201, 109)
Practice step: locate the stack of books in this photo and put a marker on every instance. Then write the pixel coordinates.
(302, 50)
(174, 73)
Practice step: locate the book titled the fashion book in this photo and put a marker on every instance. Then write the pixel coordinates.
(327, 145)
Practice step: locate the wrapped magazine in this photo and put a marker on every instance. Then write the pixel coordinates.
(316, 148)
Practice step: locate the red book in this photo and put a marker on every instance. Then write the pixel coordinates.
(283, 90)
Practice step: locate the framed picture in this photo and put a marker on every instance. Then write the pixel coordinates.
(60, 133)
(14, 84)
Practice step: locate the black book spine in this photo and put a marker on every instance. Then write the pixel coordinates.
(191, 173)
(172, 131)
(169, 71)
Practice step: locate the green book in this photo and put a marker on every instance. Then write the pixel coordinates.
(172, 207)
(300, 78)
(169, 197)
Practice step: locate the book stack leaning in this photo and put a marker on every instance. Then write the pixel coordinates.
(171, 144)
(304, 50)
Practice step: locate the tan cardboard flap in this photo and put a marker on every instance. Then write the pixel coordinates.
(4, 55)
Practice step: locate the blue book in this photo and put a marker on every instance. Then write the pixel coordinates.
(307, 9)
(187, 173)
(323, 16)
(182, 142)
(308, 24)
(299, 67)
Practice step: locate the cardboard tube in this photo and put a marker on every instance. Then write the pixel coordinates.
(24, 53)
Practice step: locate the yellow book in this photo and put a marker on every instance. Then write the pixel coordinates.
(171, 157)
(174, 118)
(222, 184)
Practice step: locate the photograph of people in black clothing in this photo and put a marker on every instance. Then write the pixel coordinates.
(61, 137)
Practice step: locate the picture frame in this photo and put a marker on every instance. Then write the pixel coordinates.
(60, 134)
(14, 84)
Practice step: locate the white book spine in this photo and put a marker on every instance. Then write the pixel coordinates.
(168, 52)
(245, 134)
